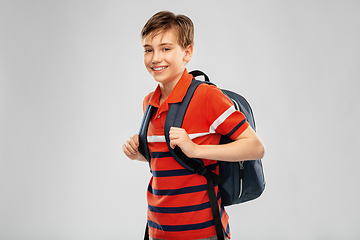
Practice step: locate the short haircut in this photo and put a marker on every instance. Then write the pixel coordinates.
(164, 21)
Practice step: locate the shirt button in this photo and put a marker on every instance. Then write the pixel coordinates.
(158, 116)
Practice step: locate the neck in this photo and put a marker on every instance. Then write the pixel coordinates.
(166, 88)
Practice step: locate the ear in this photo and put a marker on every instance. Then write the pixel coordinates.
(188, 53)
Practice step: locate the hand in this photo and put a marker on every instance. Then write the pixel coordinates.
(180, 138)
(131, 147)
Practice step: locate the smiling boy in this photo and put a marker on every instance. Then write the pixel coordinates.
(165, 59)
(178, 204)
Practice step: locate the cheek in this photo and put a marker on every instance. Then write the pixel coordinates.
(178, 60)
(147, 59)
(173, 59)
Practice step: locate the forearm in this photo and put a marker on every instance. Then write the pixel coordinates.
(239, 150)
(246, 147)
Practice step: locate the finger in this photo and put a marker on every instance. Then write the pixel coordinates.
(133, 145)
(172, 145)
(177, 131)
(126, 151)
(173, 136)
(174, 130)
(136, 140)
(130, 148)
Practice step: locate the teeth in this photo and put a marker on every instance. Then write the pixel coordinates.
(158, 68)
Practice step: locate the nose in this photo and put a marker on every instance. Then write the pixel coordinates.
(156, 57)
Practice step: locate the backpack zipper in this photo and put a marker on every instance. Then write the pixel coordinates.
(241, 165)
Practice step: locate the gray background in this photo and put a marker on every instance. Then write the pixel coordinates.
(71, 91)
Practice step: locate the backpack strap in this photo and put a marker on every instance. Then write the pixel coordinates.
(196, 73)
(143, 143)
(174, 118)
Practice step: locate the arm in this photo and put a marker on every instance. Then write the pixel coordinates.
(247, 146)
(130, 149)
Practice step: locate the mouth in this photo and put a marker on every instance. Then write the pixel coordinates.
(159, 69)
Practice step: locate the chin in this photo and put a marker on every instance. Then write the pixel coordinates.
(160, 79)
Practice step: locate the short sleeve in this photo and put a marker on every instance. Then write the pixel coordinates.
(222, 116)
(146, 101)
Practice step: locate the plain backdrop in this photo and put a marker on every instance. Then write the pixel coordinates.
(72, 82)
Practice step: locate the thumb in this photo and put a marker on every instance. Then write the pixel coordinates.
(172, 145)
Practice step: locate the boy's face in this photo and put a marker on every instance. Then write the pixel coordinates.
(164, 58)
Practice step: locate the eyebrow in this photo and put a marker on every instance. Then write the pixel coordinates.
(161, 45)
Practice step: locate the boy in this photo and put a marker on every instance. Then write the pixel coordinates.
(178, 204)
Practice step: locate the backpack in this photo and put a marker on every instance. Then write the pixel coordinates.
(238, 181)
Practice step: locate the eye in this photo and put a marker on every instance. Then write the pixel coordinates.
(147, 50)
(166, 49)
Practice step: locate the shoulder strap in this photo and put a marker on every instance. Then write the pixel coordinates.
(143, 144)
(196, 73)
(174, 118)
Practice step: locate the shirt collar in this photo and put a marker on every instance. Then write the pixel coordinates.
(177, 94)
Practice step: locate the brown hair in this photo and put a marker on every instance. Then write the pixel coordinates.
(164, 21)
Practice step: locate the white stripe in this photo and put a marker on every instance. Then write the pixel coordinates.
(156, 138)
(222, 118)
(162, 138)
(196, 135)
(192, 136)
(216, 123)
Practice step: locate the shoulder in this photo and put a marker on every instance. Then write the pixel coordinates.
(210, 101)
(146, 100)
(209, 92)
(147, 97)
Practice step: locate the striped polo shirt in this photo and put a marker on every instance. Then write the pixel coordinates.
(178, 204)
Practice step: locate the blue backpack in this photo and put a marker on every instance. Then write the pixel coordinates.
(238, 181)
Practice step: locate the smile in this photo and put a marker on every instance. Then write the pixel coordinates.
(158, 68)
